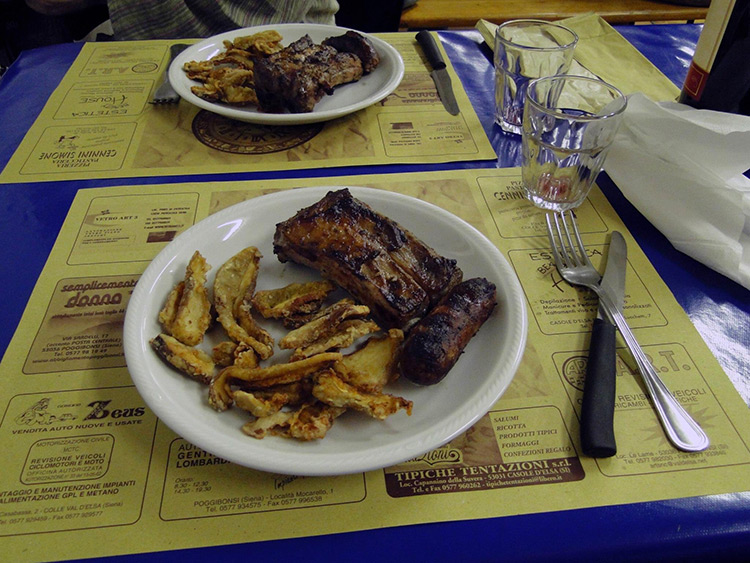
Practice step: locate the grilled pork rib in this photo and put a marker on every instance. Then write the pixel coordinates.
(377, 261)
(298, 76)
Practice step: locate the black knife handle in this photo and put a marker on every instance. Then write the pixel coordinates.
(598, 408)
(431, 50)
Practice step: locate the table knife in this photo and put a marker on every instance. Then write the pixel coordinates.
(439, 71)
(598, 407)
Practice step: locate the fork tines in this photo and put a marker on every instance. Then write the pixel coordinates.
(165, 94)
(565, 252)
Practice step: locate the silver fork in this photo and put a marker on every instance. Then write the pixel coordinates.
(575, 267)
(165, 93)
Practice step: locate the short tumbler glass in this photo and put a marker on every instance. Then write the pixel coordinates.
(525, 50)
(569, 124)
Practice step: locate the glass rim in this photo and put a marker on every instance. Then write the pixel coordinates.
(561, 114)
(570, 44)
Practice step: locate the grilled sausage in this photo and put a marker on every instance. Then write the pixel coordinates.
(435, 343)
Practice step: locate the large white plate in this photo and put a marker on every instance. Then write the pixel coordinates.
(356, 442)
(346, 99)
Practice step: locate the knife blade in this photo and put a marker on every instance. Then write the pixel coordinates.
(439, 71)
(598, 407)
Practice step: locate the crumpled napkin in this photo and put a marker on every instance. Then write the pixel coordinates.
(683, 168)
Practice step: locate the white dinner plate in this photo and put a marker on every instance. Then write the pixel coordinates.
(356, 442)
(346, 99)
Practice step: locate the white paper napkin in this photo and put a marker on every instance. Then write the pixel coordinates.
(682, 168)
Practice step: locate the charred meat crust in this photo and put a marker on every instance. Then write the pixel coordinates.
(298, 76)
(354, 43)
(435, 343)
(377, 261)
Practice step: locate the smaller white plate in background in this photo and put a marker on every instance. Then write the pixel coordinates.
(346, 99)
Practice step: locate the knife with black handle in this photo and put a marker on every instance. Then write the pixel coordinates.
(439, 71)
(598, 407)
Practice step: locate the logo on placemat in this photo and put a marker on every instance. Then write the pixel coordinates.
(574, 371)
(237, 137)
(441, 455)
(40, 414)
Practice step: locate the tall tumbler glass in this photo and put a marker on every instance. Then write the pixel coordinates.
(569, 124)
(525, 50)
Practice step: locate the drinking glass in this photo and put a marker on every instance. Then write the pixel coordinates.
(524, 50)
(569, 124)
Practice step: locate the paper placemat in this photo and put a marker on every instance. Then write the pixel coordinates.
(86, 459)
(602, 51)
(98, 123)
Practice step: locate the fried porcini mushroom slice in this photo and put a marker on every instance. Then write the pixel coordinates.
(331, 390)
(312, 422)
(278, 374)
(234, 279)
(190, 361)
(346, 334)
(261, 43)
(292, 300)
(245, 356)
(233, 58)
(223, 353)
(258, 406)
(186, 315)
(220, 393)
(230, 85)
(198, 70)
(243, 315)
(228, 76)
(262, 427)
(373, 365)
(168, 312)
(297, 393)
(323, 324)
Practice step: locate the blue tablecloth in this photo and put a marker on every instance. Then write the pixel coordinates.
(706, 528)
